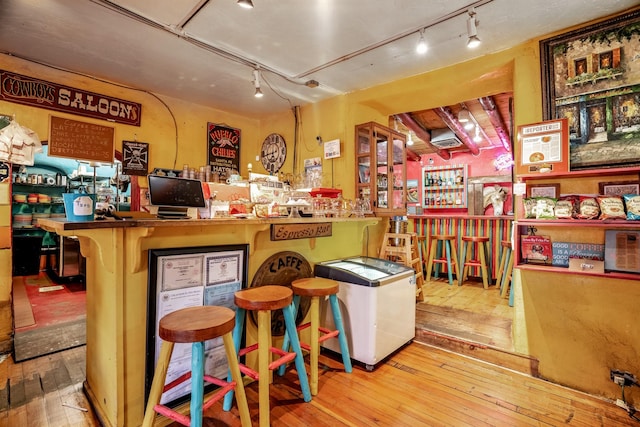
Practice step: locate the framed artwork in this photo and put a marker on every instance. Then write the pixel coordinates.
(543, 190)
(591, 77)
(619, 188)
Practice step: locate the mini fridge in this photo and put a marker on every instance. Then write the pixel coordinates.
(377, 299)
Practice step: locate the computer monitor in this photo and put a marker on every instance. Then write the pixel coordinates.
(174, 196)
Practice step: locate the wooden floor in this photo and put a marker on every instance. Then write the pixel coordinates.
(417, 386)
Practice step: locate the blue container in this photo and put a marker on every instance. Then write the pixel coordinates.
(79, 206)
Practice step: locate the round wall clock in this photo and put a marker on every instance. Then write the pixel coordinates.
(273, 153)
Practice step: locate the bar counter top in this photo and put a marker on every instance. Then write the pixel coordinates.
(57, 225)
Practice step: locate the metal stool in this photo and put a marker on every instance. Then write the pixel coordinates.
(195, 325)
(264, 299)
(316, 288)
(505, 270)
(482, 248)
(449, 257)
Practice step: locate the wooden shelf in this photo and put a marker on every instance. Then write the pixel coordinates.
(565, 270)
(606, 223)
(582, 173)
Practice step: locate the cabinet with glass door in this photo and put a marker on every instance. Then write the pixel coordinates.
(381, 172)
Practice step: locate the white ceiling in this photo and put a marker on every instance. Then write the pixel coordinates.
(208, 60)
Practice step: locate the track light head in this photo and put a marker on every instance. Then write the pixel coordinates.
(247, 4)
(421, 47)
(256, 83)
(464, 116)
(472, 30)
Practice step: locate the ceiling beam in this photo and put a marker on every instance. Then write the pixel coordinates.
(421, 133)
(452, 122)
(496, 120)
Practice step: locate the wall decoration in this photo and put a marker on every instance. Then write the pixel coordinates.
(543, 147)
(223, 149)
(619, 188)
(43, 94)
(273, 152)
(543, 190)
(591, 77)
(135, 158)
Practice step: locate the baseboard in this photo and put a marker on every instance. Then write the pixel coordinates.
(496, 356)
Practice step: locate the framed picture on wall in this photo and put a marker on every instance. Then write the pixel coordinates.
(619, 188)
(591, 77)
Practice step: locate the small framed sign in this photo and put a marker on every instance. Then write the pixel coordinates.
(544, 147)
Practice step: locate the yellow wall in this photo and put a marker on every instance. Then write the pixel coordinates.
(564, 359)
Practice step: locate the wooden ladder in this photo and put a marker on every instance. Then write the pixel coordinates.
(403, 248)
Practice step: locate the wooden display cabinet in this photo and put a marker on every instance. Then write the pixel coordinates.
(590, 231)
(381, 168)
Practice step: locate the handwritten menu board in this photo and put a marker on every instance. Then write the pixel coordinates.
(80, 140)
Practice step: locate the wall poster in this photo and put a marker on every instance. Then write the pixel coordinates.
(135, 158)
(223, 149)
(190, 277)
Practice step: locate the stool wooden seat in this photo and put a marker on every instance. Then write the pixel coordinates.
(403, 248)
(505, 271)
(196, 325)
(443, 250)
(264, 299)
(316, 288)
(481, 244)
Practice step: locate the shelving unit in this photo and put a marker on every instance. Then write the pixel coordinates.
(444, 187)
(586, 230)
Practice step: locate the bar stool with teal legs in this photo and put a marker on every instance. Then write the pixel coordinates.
(443, 250)
(264, 299)
(196, 325)
(316, 288)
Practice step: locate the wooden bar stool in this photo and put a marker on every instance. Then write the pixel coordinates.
(481, 244)
(264, 299)
(196, 325)
(505, 271)
(316, 288)
(439, 255)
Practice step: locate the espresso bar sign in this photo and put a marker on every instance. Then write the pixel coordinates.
(300, 231)
(42, 94)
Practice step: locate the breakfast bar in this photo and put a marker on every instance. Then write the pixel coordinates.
(117, 274)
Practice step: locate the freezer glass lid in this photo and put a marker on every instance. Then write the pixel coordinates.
(359, 270)
(381, 264)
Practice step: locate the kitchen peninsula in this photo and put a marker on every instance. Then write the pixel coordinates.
(118, 280)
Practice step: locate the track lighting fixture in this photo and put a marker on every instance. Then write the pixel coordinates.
(256, 83)
(464, 116)
(472, 30)
(409, 139)
(477, 137)
(421, 47)
(247, 4)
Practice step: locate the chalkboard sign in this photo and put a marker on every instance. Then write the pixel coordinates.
(80, 140)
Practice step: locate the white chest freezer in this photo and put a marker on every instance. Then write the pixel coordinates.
(377, 300)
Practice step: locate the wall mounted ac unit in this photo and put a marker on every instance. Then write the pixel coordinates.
(444, 138)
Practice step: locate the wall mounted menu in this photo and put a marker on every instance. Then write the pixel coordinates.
(80, 140)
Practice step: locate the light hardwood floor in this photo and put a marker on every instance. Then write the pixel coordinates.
(419, 385)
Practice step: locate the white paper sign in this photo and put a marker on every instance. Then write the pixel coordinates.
(332, 149)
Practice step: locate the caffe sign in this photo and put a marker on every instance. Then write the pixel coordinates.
(42, 94)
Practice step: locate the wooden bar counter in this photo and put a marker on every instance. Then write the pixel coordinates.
(497, 228)
(117, 286)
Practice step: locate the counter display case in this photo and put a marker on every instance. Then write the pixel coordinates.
(381, 171)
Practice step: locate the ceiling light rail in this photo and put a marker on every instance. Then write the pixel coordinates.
(179, 32)
(444, 18)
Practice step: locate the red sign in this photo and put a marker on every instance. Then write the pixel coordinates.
(42, 94)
